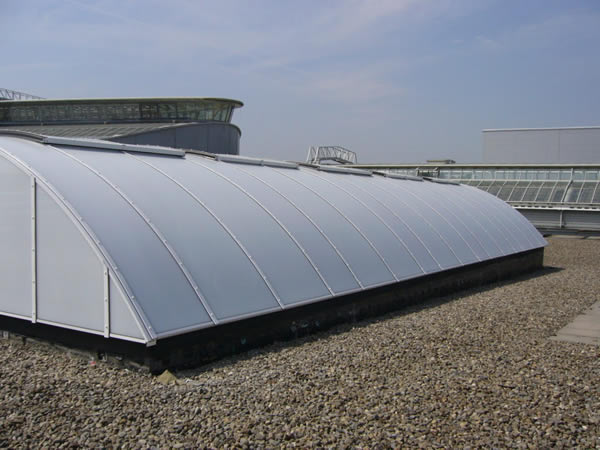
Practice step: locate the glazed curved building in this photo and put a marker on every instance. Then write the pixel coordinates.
(192, 123)
(147, 245)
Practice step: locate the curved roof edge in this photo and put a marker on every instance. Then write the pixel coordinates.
(236, 103)
(88, 234)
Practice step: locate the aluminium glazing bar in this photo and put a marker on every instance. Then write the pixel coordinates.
(444, 219)
(222, 224)
(106, 283)
(468, 198)
(301, 211)
(378, 218)
(391, 210)
(33, 205)
(346, 218)
(442, 239)
(458, 206)
(155, 230)
(281, 225)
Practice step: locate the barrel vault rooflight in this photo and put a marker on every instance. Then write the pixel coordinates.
(140, 245)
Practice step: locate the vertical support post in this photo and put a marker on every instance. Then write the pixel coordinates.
(33, 205)
(106, 303)
(562, 222)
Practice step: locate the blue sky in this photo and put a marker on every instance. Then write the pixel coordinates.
(395, 81)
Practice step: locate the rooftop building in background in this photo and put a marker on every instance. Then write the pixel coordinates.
(188, 122)
(568, 145)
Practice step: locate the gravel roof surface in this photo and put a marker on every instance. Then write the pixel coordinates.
(475, 368)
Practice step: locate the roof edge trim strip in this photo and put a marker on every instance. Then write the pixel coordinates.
(106, 145)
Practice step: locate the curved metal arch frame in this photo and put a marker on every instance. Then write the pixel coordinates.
(348, 220)
(317, 227)
(457, 205)
(281, 225)
(403, 223)
(223, 225)
(499, 227)
(378, 217)
(434, 209)
(393, 194)
(524, 221)
(102, 254)
(500, 233)
(501, 224)
(154, 229)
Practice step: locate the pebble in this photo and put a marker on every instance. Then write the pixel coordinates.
(469, 370)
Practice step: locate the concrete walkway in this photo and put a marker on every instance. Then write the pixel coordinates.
(584, 329)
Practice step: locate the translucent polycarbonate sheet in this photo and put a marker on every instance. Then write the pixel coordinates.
(475, 203)
(225, 274)
(330, 264)
(413, 213)
(520, 234)
(527, 237)
(286, 268)
(122, 321)
(70, 276)
(364, 262)
(157, 282)
(465, 244)
(380, 234)
(492, 217)
(404, 235)
(471, 221)
(15, 240)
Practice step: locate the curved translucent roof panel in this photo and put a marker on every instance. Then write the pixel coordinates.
(188, 242)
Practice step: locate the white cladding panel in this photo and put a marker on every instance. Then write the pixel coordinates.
(542, 146)
(15, 240)
(190, 242)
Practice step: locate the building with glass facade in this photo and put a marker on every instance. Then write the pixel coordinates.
(192, 123)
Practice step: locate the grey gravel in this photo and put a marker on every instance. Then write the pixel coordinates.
(473, 369)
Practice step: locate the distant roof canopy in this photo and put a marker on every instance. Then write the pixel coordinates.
(116, 110)
(139, 244)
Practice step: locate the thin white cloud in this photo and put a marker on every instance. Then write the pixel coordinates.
(546, 33)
